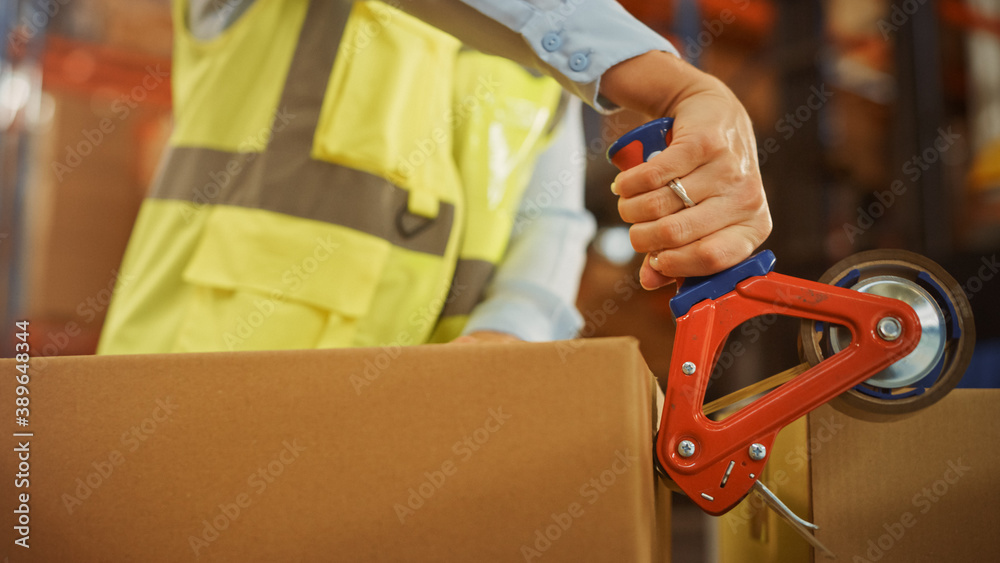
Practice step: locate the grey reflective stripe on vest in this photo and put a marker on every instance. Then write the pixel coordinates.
(319, 191)
(471, 278)
(285, 179)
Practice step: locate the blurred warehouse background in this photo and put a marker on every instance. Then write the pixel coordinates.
(877, 123)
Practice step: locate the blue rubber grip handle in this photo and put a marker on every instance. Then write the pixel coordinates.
(653, 136)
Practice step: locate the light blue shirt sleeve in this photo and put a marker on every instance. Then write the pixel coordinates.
(533, 294)
(573, 41)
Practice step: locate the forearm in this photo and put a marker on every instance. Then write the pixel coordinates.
(533, 295)
(655, 83)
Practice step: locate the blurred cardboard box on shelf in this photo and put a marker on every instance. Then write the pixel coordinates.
(920, 489)
(103, 122)
(524, 452)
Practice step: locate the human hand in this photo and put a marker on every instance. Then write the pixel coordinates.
(713, 153)
(486, 336)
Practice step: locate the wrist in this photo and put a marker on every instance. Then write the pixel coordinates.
(653, 83)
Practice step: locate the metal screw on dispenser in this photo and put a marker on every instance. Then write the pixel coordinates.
(688, 368)
(757, 451)
(685, 448)
(889, 329)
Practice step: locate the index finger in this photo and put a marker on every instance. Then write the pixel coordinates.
(676, 161)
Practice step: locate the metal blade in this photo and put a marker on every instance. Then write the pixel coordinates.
(801, 526)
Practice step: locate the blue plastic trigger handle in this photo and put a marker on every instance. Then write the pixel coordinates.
(696, 290)
(652, 135)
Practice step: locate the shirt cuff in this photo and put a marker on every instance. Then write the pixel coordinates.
(579, 39)
(529, 313)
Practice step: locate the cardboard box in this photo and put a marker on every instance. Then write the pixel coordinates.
(526, 452)
(920, 489)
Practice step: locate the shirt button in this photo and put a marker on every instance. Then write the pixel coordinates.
(579, 62)
(551, 41)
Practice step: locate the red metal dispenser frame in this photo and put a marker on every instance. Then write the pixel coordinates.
(706, 475)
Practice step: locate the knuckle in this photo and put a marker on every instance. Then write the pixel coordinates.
(696, 152)
(765, 226)
(673, 232)
(755, 198)
(745, 196)
(635, 238)
(759, 219)
(652, 178)
(715, 257)
(711, 144)
(625, 210)
(654, 207)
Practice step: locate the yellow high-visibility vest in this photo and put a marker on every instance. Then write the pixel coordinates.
(335, 178)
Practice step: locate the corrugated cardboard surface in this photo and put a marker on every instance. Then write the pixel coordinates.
(921, 489)
(439, 453)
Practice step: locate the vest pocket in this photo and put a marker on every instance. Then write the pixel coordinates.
(264, 280)
(386, 109)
